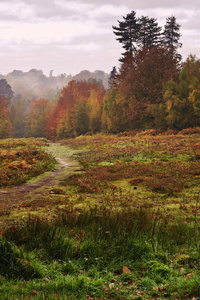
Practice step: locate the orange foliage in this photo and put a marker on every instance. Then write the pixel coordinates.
(64, 117)
(5, 122)
(4, 112)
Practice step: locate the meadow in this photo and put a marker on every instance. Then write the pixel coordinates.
(123, 224)
(22, 159)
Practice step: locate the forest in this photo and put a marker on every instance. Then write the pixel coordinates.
(152, 89)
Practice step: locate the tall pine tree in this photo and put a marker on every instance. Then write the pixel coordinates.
(127, 33)
(149, 35)
(171, 35)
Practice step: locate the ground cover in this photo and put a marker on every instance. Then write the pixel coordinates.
(121, 224)
(22, 159)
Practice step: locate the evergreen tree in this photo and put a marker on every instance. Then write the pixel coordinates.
(149, 32)
(135, 34)
(112, 78)
(172, 34)
(154, 34)
(144, 24)
(127, 32)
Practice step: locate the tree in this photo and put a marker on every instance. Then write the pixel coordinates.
(82, 120)
(70, 109)
(5, 122)
(109, 110)
(147, 65)
(38, 117)
(5, 89)
(171, 34)
(127, 32)
(141, 86)
(137, 33)
(181, 114)
(114, 116)
(183, 97)
(191, 69)
(18, 114)
(149, 34)
(95, 102)
(112, 78)
(194, 98)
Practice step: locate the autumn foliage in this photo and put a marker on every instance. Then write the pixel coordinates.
(78, 110)
(22, 159)
(5, 122)
(37, 118)
(152, 89)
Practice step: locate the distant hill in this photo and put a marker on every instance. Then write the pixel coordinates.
(35, 85)
(98, 75)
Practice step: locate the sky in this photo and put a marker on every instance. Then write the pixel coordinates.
(68, 36)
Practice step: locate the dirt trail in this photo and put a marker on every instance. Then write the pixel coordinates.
(13, 196)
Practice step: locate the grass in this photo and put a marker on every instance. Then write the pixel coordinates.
(121, 224)
(22, 159)
(130, 253)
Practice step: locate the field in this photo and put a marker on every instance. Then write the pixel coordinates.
(119, 220)
(22, 159)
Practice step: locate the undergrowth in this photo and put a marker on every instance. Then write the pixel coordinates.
(22, 159)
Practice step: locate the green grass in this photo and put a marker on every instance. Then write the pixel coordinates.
(121, 224)
(83, 251)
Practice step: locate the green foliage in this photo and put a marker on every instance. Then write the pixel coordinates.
(178, 109)
(182, 97)
(111, 117)
(95, 104)
(18, 113)
(37, 118)
(82, 124)
(144, 33)
(16, 263)
(194, 98)
(6, 128)
(98, 251)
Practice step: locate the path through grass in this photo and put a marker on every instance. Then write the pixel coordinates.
(121, 224)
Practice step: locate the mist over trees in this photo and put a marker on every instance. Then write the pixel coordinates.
(25, 95)
(153, 88)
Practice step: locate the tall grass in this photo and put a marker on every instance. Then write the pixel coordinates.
(98, 231)
(96, 240)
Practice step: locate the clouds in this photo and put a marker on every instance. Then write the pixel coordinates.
(69, 35)
(49, 32)
(25, 24)
(16, 9)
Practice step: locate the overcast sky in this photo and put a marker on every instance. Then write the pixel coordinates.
(68, 36)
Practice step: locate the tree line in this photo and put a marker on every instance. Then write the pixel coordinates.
(153, 88)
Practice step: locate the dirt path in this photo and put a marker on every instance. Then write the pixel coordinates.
(14, 196)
